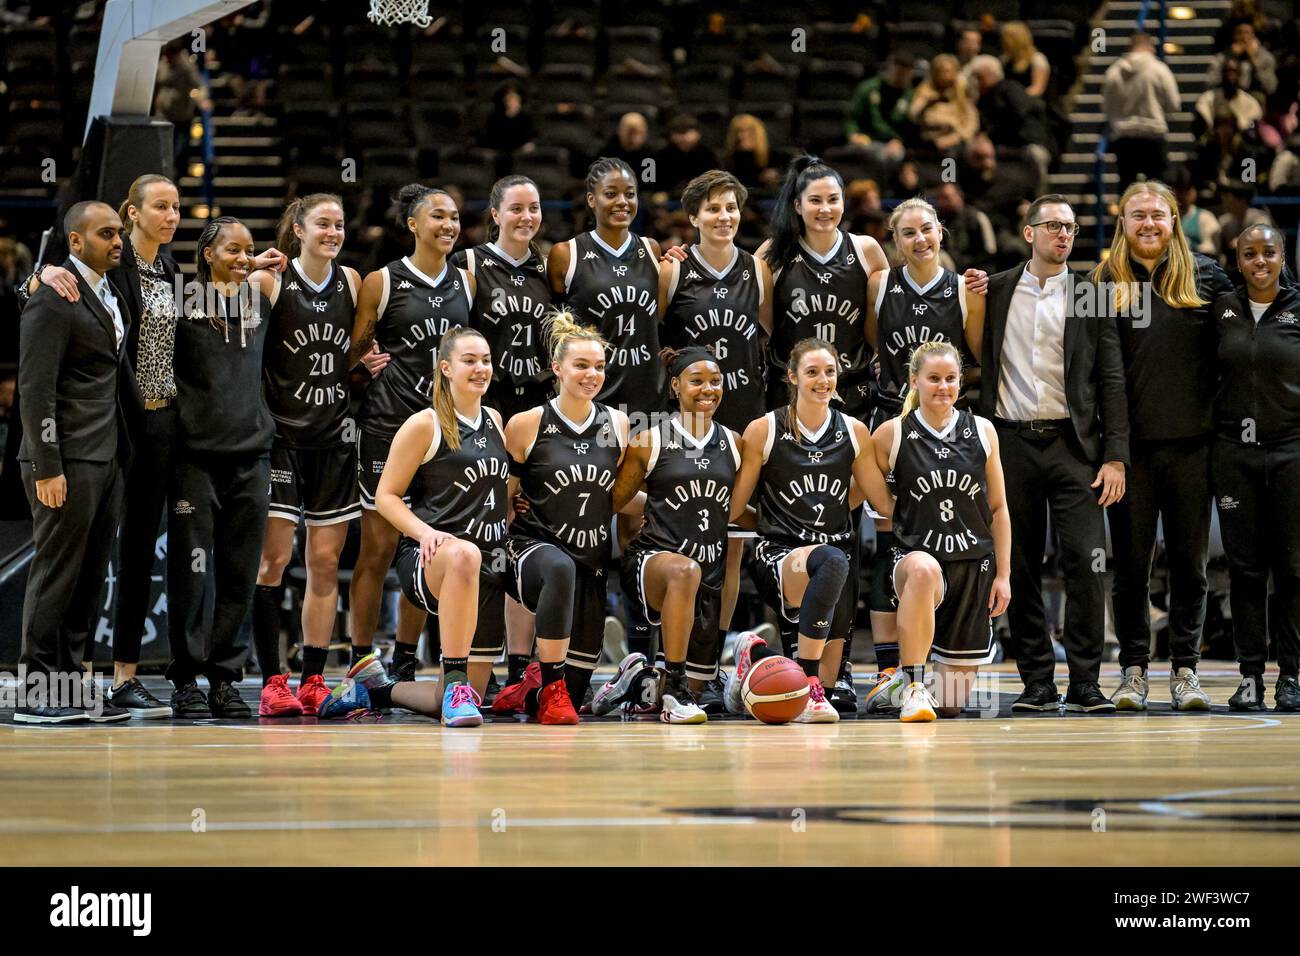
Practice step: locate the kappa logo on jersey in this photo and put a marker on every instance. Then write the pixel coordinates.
(517, 280)
(1229, 314)
(913, 434)
(620, 271)
(896, 289)
(294, 287)
(581, 447)
(403, 284)
(589, 255)
(787, 436)
(673, 446)
(919, 308)
(551, 430)
(720, 292)
(692, 274)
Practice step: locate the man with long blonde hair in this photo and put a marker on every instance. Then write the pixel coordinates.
(1161, 292)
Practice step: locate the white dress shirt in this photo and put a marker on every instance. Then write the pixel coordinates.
(104, 289)
(1032, 383)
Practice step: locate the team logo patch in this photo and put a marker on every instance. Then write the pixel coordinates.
(1287, 318)
(480, 442)
(320, 305)
(1227, 503)
(823, 277)
(701, 463)
(435, 301)
(943, 451)
(517, 280)
(620, 270)
(919, 308)
(581, 447)
(183, 507)
(720, 292)
(815, 456)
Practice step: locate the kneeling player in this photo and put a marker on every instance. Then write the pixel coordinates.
(951, 562)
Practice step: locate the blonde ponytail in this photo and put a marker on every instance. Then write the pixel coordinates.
(444, 406)
(914, 365)
(562, 328)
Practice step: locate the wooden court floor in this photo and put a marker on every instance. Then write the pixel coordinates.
(1160, 788)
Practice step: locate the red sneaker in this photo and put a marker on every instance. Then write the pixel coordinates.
(554, 706)
(278, 699)
(510, 700)
(312, 693)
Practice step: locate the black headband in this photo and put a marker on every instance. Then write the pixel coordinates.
(688, 357)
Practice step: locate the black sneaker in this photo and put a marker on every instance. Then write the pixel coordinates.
(226, 702)
(1250, 695)
(189, 703)
(135, 698)
(490, 692)
(106, 713)
(1088, 699)
(50, 715)
(712, 697)
(843, 696)
(403, 668)
(1038, 696)
(1286, 695)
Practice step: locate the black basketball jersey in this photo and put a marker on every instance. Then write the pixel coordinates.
(416, 311)
(617, 291)
(706, 307)
(568, 480)
(825, 299)
(906, 316)
(464, 491)
(305, 369)
(803, 489)
(510, 305)
(942, 504)
(688, 495)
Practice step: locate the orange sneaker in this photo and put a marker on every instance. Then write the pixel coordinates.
(312, 693)
(510, 700)
(554, 706)
(278, 700)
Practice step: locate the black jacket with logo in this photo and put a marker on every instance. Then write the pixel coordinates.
(1259, 369)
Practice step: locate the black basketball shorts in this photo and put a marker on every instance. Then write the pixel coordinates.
(705, 649)
(963, 630)
(490, 630)
(314, 484)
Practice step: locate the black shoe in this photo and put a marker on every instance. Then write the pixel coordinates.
(1286, 695)
(1250, 695)
(50, 715)
(588, 696)
(106, 713)
(1038, 695)
(490, 692)
(843, 696)
(135, 698)
(403, 668)
(712, 697)
(189, 703)
(226, 702)
(1088, 699)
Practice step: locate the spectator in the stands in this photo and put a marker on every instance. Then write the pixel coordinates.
(878, 109)
(1199, 225)
(970, 44)
(1284, 174)
(861, 198)
(630, 142)
(1139, 92)
(1238, 215)
(178, 96)
(509, 127)
(1247, 11)
(1228, 158)
(1010, 116)
(684, 157)
(970, 239)
(942, 109)
(1000, 192)
(1227, 97)
(1257, 66)
(1022, 61)
(746, 154)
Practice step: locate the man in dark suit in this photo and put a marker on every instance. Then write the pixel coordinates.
(1053, 384)
(77, 394)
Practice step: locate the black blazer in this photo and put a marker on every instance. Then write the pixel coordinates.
(1094, 371)
(77, 388)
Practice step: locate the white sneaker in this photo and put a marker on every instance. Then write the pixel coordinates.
(679, 706)
(1185, 690)
(1133, 690)
(616, 688)
(918, 707)
(614, 644)
(734, 695)
(819, 709)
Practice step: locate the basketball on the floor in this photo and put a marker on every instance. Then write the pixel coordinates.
(776, 690)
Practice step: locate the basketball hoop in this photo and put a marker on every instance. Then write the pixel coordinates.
(389, 12)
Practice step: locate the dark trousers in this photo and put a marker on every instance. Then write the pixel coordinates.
(1168, 482)
(1137, 155)
(1257, 492)
(214, 543)
(66, 577)
(1042, 473)
(145, 505)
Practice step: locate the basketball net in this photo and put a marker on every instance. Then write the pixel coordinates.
(389, 12)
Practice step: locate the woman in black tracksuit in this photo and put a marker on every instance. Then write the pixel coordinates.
(221, 475)
(1255, 463)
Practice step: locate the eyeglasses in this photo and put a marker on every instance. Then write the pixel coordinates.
(1054, 226)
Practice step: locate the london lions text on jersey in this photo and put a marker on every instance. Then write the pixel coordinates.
(464, 491)
(803, 494)
(510, 305)
(908, 314)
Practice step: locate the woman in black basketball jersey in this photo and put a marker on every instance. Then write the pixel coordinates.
(951, 561)
(609, 278)
(714, 293)
(803, 460)
(313, 459)
(919, 302)
(674, 567)
(220, 476)
(564, 458)
(406, 307)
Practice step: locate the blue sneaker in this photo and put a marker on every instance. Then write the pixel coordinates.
(460, 703)
(348, 699)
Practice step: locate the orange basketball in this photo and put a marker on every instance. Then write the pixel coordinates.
(776, 690)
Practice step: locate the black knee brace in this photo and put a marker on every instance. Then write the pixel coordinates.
(828, 570)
